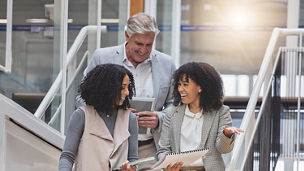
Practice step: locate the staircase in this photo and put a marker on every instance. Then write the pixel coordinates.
(32, 135)
(273, 123)
(274, 134)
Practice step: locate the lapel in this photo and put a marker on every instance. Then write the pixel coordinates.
(121, 130)
(155, 74)
(177, 123)
(208, 121)
(119, 55)
(98, 126)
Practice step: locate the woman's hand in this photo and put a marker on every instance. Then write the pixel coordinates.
(229, 131)
(126, 167)
(133, 110)
(176, 166)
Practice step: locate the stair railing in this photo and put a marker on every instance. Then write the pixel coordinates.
(269, 62)
(50, 95)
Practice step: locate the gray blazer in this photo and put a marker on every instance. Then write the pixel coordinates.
(212, 135)
(162, 71)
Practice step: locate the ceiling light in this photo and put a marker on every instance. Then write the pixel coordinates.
(37, 21)
(3, 21)
(109, 20)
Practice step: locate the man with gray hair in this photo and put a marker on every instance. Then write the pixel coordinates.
(152, 72)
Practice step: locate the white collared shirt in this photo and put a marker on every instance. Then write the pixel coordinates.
(143, 81)
(191, 132)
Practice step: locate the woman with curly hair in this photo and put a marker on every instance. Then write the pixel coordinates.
(198, 119)
(102, 135)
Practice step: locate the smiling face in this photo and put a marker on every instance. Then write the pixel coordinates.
(124, 90)
(189, 91)
(139, 47)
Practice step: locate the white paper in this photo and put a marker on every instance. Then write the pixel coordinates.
(187, 157)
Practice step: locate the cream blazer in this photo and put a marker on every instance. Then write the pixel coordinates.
(97, 149)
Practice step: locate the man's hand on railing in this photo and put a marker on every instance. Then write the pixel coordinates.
(229, 131)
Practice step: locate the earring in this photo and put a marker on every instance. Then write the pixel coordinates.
(199, 91)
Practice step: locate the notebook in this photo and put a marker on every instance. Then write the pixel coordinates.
(187, 157)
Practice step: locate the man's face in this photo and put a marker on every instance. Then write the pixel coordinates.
(139, 47)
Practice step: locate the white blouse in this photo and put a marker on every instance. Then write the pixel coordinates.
(143, 82)
(191, 132)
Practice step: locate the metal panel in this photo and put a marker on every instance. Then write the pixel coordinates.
(63, 57)
(151, 7)
(23, 117)
(8, 51)
(2, 141)
(25, 151)
(176, 24)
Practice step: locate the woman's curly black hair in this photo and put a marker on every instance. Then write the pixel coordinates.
(101, 88)
(207, 78)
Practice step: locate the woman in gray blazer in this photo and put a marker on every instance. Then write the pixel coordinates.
(198, 119)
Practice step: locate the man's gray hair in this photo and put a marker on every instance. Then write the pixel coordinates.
(141, 23)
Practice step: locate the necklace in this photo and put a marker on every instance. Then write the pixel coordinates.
(107, 115)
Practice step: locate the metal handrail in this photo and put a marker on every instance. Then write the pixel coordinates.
(70, 85)
(260, 112)
(253, 98)
(268, 57)
(70, 57)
